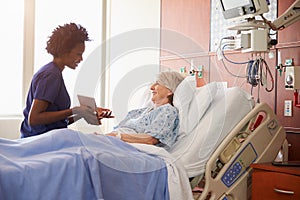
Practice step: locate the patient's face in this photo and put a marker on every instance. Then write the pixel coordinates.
(160, 94)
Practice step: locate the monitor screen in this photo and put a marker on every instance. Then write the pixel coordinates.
(234, 4)
(243, 8)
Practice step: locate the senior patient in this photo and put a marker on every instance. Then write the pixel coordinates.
(158, 124)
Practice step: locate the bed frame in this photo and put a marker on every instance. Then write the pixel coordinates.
(257, 138)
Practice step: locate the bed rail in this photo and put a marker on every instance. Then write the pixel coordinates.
(257, 138)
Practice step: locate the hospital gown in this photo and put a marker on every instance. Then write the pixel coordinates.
(161, 123)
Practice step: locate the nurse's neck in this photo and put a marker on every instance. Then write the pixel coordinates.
(58, 63)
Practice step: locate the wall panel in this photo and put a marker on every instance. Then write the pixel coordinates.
(188, 17)
(192, 18)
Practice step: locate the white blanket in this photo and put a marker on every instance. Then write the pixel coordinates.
(178, 182)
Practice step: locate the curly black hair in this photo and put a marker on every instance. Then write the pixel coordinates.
(65, 38)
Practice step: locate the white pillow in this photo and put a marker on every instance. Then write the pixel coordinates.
(184, 93)
(192, 103)
(200, 103)
(182, 98)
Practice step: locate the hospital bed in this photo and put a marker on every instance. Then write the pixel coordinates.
(221, 134)
(232, 134)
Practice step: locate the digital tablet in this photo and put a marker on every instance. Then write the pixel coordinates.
(87, 101)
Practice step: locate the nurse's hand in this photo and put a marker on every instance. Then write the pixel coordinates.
(89, 114)
(104, 113)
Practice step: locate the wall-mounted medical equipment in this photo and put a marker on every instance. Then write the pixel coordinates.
(292, 78)
(243, 8)
(292, 82)
(290, 16)
(195, 71)
(253, 34)
(257, 74)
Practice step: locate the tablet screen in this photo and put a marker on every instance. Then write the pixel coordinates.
(87, 101)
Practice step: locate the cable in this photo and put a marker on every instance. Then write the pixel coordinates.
(264, 63)
(223, 54)
(219, 49)
(234, 75)
(256, 70)
(255, 73)
(252, 72)
(269, 23)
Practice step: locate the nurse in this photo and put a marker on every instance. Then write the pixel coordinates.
(48, 102)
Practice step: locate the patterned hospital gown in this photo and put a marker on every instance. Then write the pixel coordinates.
(161, 123)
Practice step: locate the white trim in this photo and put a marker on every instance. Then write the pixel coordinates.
(28, 49)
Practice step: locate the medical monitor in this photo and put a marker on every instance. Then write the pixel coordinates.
(233, 9)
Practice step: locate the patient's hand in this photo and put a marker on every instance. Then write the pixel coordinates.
(112, 134)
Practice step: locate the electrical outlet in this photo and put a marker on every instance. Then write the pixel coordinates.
(288, 108)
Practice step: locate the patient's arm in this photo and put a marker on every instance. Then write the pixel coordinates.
(136, 138)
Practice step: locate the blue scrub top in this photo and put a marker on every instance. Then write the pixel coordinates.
(48, 85)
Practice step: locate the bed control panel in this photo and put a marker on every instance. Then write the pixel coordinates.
(230, 150)
(225, 197)
(240, 165)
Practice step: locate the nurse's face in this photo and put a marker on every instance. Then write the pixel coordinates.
(74, 57)
(160, 94)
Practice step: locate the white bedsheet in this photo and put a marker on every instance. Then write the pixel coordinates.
(178, 182)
